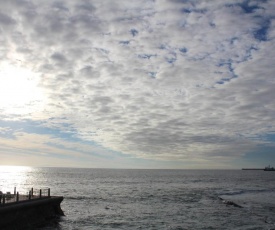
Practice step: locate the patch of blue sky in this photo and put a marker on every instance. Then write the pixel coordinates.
(269, 137)
(261, 33)
(87, 142)
(40, 128)
(171, 60)
(230, 69)
(61, 156)
(114, 154)
(162, 47)
(134, 32)
(223, 63)
(146, 56)
(249, 8)
(227, 63)
(29, 126)
(60, 146)
(183, 50)
(200, 57)
(105, 51)
(124, 42)
(11, 127)
(212, 24)
(233, 40)
(183, 24)
(263, 155)
(189, 10)
(185, 10)
(223, 81)
(172, 50)
(7, 132)
(246, 6)
(152, 74)
(99, 152)
(247, 56)
(182, 1)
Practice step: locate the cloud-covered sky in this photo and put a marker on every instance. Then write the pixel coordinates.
(137, 84)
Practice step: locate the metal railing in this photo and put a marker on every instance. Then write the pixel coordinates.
(32, 194)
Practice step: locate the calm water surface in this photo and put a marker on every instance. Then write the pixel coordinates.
(152, 199)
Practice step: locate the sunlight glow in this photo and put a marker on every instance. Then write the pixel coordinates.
(18, 88)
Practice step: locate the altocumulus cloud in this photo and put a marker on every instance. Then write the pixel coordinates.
(179, 81)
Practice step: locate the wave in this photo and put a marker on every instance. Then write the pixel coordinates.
(245, 191)
(81, 198)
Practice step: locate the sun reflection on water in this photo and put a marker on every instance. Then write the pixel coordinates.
(15, 176)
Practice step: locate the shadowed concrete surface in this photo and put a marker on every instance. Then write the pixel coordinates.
(27, 214)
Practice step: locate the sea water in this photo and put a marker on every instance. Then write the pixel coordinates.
(152, 199)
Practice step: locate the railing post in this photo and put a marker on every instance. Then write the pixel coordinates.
(49, 192)
(40, 193)
(32, 191)
(29, 195)
(14, 191)
(17, 197)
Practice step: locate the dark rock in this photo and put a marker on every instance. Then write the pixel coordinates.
(228, 202)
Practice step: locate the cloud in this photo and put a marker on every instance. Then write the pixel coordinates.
(166, 80)
(33, 145)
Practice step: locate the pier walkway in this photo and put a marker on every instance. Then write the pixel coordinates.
(29, 210)
(16, 197)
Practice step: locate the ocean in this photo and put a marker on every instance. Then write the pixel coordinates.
(152, 199)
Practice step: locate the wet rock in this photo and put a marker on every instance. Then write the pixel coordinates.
(228, 202)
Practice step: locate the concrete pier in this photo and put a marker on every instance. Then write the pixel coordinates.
(253, 169)
(28, 212)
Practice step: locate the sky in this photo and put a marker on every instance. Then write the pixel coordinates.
(178, 84)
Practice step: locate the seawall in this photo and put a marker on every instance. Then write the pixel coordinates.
(30, 213)
(253, 169)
